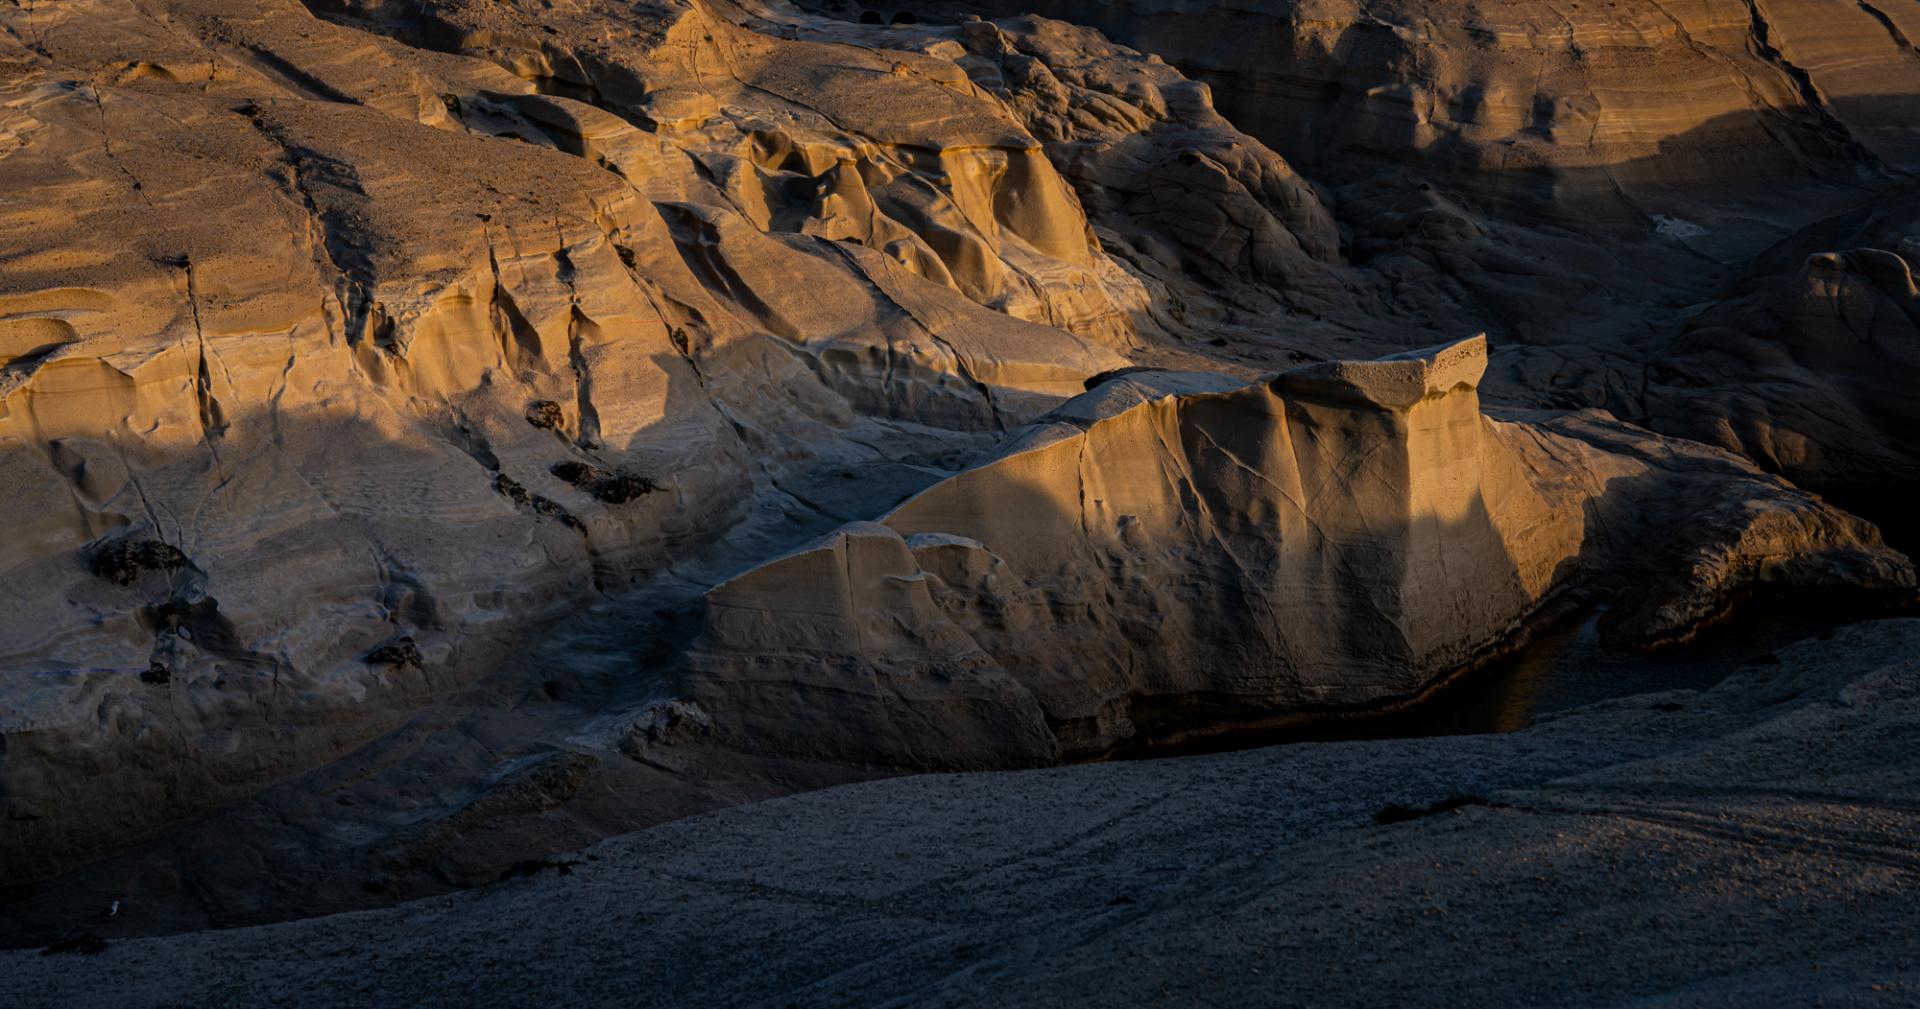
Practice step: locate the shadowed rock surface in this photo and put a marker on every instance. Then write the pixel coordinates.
(443, 433)
(1149, 563)
(1588, 179)
(1750, 844)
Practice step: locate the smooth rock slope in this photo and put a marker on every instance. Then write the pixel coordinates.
(1750, 844)
(419, 418)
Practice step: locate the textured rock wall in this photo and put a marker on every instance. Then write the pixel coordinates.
(346, 347)
(1589, 179)
(1713, 95)
(1167, 556)
(358, 362)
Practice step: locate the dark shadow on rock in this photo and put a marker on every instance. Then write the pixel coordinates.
(1218, 563)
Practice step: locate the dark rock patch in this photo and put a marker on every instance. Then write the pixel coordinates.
(86, 943)
(398, 652)
(121, 560)
(551, 509)
(197, 620)
(517, 492)
(577, 473)
(1396, 813)
(514, 490)
(622, 488)
(545, 414)
(610, 488)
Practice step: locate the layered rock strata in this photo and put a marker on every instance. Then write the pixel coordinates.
(334, 368)
(346, 347)
(1590, 180)
(1170, 554)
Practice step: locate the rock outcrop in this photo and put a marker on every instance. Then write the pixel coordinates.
(1587, 181)
(1745, 845)
(385, 383)
(1806, 366)
(1166, 556)
(1529, 100)
(334, 368)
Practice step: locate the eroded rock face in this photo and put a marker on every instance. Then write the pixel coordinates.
(366, 364)
(1167, 555)
(358, 343)
(1821, 336)
(1584, 180)
(1176, 189)
(1715, 95)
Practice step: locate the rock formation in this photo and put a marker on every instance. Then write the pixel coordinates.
(1168, 556)
(1589, 179)
(388, 360)
(1561, 107)
(415, 414)
(1745, 845)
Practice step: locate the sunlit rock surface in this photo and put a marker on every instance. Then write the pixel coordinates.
(366, 362)
(1164, 557)
(1590, 178)
(420, 418)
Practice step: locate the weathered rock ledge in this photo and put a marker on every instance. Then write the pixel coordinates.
(1170, 554)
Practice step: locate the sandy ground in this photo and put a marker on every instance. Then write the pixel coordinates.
(1757, 844)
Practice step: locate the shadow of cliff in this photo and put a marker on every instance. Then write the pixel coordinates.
(484, 771)
(455, 756)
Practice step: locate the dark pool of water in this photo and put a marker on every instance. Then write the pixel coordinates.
(1565, 666)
